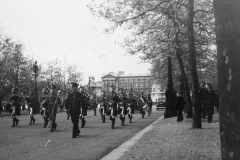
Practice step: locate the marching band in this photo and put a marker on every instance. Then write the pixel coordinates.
(76, 104)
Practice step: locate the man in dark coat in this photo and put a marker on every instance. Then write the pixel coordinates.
(180, 102)
(202, 99)
(210, 99)
(75, 100)
(84, 106)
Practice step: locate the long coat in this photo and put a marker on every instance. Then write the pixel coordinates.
(74, 102)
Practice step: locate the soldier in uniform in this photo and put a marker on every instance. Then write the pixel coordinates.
(75, 100)
(112, 100)
(123, 108)
(210, 99)
(103, 106)
(14, 100)
(94, 102)
(141, 104)
(202, 99)
(31, 102)
(52, 100)
(132, 101)
(44, 106)
(84, 107)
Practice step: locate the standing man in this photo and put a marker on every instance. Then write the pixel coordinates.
(210, 99)
(202, 99)
(94, 103)
(180, 102)
(31, 102)
(74, 102)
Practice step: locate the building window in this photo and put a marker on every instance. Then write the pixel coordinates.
(135, 80)
(125, 80)
(146, 84)
(136, 85)
(141, 85)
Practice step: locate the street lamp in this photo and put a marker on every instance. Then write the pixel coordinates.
(36, 70)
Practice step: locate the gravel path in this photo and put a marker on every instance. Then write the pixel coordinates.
(169, 140)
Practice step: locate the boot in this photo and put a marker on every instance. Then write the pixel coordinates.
(130, 119)
(142, 115)
(30, 123)
(33, 119)
(45, 122)
(113, 122)
(13, 125)
(83, 122)
(123, 119)
(16, 121)
(55, 126)
(103, 119)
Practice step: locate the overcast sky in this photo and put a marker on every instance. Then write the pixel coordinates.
(55, 28)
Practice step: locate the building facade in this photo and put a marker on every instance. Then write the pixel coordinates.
(138, 82)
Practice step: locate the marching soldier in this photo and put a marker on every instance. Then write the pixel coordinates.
(142, 103)
(52, 100)
(123, 108)
(94, 103)
(131, 107)
(44, 106)
(113, 99)
(31, 102)
(14, 100)
(103, 106)
(84, 107)
(67, 111)
(74, 102)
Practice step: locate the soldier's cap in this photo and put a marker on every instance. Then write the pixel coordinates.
(74, 84)
(53, 86)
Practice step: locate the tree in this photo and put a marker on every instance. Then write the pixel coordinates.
(227, 16)
(155, 36)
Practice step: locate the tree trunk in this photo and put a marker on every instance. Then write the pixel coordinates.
(227, 15)
(193, 67)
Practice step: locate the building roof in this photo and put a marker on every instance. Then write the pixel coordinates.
(127, 75)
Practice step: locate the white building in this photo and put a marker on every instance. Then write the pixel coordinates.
(158, 93)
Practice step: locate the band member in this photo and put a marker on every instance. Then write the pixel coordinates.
(149, 103)
(123, 108)
(52, 100)
(74, 102)
(44, 105)
(14, 100)
(94, 102)
(103, 106)
(84, 107)
(142, 102)
(132, 101)
(31, 102)
(113, 99)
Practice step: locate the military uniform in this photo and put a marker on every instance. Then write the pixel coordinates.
(112, 101)
(15, 107)
(123, 108)
(52, 100)
(103, 107)
(74, 103)
(94, 103)
(44, 106)
(31, 101)
(149, 103)
(84, 108)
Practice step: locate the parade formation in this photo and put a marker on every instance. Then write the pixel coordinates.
(108, 104)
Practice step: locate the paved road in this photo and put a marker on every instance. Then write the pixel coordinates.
(96, 139)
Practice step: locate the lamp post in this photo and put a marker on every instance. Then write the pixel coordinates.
(35, 70)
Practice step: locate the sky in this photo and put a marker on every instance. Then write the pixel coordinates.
(51, 29)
